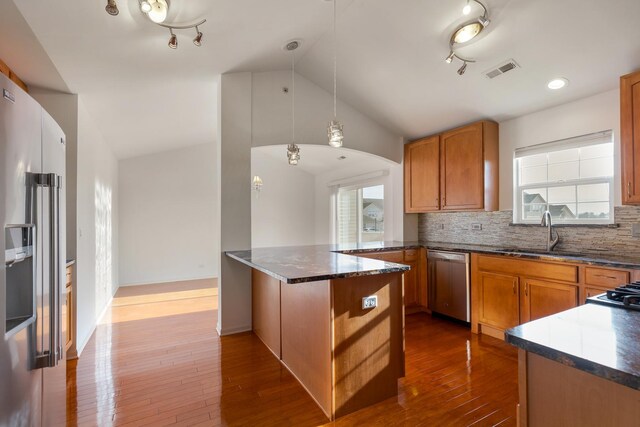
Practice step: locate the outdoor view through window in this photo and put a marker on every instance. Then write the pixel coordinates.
(360, 214)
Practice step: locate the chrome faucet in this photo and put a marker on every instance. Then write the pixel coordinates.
(546, 222)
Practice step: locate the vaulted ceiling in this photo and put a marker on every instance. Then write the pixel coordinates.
(147, 97)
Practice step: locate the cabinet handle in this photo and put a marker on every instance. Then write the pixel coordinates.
(629, 189)
(606, 277)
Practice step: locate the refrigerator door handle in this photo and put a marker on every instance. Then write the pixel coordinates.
(53, 355)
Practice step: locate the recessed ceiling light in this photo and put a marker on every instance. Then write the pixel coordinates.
(557, 83)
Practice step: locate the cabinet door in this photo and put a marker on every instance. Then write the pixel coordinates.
(422, 175)
(499, 305)
(411, 284)
(543, 298)
(630, 137)
(463, 168)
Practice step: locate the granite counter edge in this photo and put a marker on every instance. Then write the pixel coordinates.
(606, 372)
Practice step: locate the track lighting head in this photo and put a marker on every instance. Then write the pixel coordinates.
(450, 57)
(198, 40)
(462, 69)
(112, 8)
(173, 40)
(145, 6)
(159, 10)
(467, 9)
(484, 21)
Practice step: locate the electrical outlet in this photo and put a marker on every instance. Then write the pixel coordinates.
(441, 226)
(369, 302)
(476, 227)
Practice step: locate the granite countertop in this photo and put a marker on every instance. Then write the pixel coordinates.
(299, 264)
(603, 341)
(607, 259)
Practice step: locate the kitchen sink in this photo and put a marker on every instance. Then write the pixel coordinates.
(541, 252)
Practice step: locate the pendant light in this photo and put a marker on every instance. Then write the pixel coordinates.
(334, 130)
(293, 151)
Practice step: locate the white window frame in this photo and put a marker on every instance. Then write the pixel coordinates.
(577, 142)
(359, 183)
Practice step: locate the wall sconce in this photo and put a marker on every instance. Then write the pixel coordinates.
(256, 184)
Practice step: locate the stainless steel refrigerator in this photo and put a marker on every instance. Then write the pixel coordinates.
(32, 200)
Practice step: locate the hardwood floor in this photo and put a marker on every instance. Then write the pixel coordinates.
(157, 360)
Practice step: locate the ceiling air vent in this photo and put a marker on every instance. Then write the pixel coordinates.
(500, 69)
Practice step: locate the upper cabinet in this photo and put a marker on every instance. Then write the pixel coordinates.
(454, 171)
(630, 137)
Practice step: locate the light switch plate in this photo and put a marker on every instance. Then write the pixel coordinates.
(369, 302)
(476, 227)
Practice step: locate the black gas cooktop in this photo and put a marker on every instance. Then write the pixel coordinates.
(624, 296)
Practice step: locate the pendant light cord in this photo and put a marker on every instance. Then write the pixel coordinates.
(335, 64)
(293, 97)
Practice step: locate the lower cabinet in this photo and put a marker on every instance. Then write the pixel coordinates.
(543, 298)
(415, 287)
(499, 300)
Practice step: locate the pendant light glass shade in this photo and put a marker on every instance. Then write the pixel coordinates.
(293, 153)
(335, 134)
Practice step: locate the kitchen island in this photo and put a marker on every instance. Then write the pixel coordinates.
(579, 367)
(336, 321)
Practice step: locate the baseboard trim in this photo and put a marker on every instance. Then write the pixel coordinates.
(158, 282)
(97, 321)
(232, 331)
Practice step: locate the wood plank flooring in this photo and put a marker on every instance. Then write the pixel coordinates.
(157, 360)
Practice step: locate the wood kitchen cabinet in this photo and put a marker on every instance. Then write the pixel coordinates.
(422, 175)
(414, 285)
(499, 297)
(543, 298)
(630, 137)
(456, 170)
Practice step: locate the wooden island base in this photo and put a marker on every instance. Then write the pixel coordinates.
(346, 357)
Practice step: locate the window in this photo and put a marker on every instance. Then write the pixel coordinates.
(360, 214)
(572, 178)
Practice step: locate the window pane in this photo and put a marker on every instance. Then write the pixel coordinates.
(563, 211)
(535, 160)
(534, 203)
(572, 155)
(593, 210)
(595, 168)
(558, 195)
(533, 175)
(593, 193)
(596, 151)
(373, 214)
(563, 171)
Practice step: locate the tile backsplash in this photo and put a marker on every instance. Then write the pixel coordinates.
(462, 227)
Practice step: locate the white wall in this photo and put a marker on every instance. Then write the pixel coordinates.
(596, 113)
(167, 216)
(283, 213)
(271, 119)
(97, 245)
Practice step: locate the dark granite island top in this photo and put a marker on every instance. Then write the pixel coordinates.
(603, 341)
(299, 264)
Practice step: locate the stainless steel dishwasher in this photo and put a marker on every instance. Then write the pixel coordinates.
(448, 283)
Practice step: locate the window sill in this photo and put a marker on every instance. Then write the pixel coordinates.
(614, 225)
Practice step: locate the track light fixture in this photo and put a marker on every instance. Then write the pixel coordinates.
(112, 8)
(145, 6)
(462, 69)
(465, 33)
(173, 41)
(198, 40)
